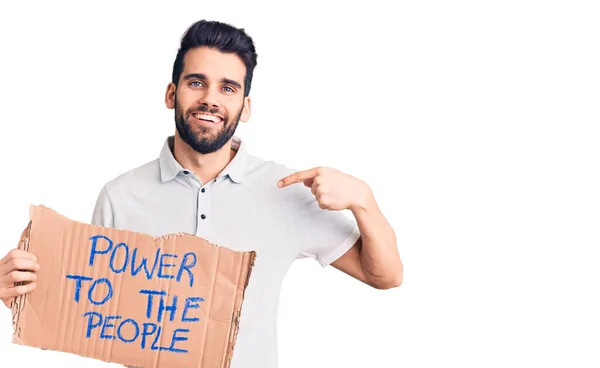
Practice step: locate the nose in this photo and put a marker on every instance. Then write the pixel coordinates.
(210, 98)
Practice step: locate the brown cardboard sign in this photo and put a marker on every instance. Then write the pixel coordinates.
(130, 298)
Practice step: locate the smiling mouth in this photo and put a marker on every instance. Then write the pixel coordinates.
(209, 118)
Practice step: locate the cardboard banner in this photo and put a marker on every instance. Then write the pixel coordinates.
(130, 298)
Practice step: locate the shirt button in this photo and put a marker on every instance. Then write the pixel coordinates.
(185, 172)
(203, 216)
(203, 190)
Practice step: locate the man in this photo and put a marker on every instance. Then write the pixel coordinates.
(205, 183)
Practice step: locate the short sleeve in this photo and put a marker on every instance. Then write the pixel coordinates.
(103, 213)
(324, 235)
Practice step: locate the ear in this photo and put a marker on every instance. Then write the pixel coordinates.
(245, 116)
(170, 96)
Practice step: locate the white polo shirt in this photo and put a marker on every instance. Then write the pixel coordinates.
(242, 209)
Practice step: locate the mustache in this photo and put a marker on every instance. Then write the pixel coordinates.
(213, 110)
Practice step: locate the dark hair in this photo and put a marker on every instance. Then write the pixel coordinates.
(220, 36)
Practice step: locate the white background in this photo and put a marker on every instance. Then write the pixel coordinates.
(475, 122)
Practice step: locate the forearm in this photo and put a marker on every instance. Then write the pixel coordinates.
(379, 257)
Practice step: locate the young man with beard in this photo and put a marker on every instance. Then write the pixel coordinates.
(205, 183)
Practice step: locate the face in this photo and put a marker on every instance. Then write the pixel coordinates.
(209, 100)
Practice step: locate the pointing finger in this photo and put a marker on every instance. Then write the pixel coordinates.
(298, 177)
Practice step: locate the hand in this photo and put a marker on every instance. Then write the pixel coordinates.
(18, 265)
(332, 189)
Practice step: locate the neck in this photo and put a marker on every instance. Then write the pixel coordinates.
(205, 166)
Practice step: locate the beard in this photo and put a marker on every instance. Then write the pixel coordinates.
(204, 140)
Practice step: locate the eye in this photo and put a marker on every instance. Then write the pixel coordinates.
(228, 89)
(195, 84)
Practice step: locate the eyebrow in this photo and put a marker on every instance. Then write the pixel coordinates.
(202, 76)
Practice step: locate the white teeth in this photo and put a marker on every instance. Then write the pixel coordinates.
(214, 119)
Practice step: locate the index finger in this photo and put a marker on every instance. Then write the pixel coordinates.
(298, 177)
(18, 253)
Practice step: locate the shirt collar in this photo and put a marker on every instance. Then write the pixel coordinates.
(235, 170)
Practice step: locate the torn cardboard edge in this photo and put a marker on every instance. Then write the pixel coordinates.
(19, 303)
